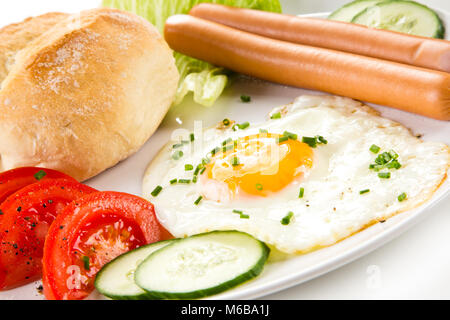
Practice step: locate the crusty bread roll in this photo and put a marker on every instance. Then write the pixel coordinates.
(86, 94)
(15, 37)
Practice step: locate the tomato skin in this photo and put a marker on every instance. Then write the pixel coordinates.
(16, 179)
(64, 235)
(26, 217)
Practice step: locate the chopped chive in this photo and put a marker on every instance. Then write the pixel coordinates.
(235, 162)
(184, 181)
(263, 131)
(205, 161)
(188, 167)
(241, 213)
(287, 220)
(241, 126)
(312, 142)
(290, 135)
(376, 167)
(301, 193)
(174, 181)
(192, 137)
(246, 99)
(386, 160)
(197, 170)
(177, 146)
(282, 139)
(276, 115)
(322, 140)
(195, 179)
(386, 157)
(157, 191)
(226, 122)
(227, 148)
(380, 160)
(244, 125)
(86, 263)
(402, 197)
(226, 142)
(215, 151)
(394, 155)
(375, 149)
(394, 165)
(364, 191)
(197, 202)
(185, 141)
(178, 155)
(40, 175)
(202, 171)
(384, 175)
(259, 187)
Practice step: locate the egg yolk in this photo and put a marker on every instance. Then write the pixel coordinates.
(260, 164)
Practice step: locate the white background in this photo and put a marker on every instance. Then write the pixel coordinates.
(414, 266)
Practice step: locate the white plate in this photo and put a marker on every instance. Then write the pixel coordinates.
(127, 177)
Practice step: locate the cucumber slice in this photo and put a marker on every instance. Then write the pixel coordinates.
(202, 265)
(350, 10)
(403, 16)
(116, 279)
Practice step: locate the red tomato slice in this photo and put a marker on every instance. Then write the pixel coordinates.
(91, 232)
(25, 218)
(14, 180)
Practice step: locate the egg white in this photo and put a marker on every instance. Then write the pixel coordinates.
(332, 207)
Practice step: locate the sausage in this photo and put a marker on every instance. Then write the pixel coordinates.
(418, 90)
(341, 36)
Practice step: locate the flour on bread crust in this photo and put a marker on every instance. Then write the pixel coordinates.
(17, 36)
(86, 94)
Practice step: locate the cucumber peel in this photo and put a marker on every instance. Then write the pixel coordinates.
(116, 279)
(202, 265)
(402, 16)
(350, 10)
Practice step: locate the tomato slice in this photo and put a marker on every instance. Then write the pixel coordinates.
(91, 232)
(25, 218)
(14, 180)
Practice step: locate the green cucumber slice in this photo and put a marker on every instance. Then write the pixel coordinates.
(403, 16)
(202, 265)
(116, 279)
(350, 10)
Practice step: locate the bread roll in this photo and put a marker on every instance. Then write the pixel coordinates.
(86, 94)
(15, 37)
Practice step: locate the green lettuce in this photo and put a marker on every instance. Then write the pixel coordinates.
(204, 80)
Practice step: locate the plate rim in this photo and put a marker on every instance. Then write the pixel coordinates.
(329, 265)
(359, 251)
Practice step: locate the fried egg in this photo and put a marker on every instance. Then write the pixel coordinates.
(317, 171)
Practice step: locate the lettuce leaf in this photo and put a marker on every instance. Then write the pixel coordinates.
(204, 80)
